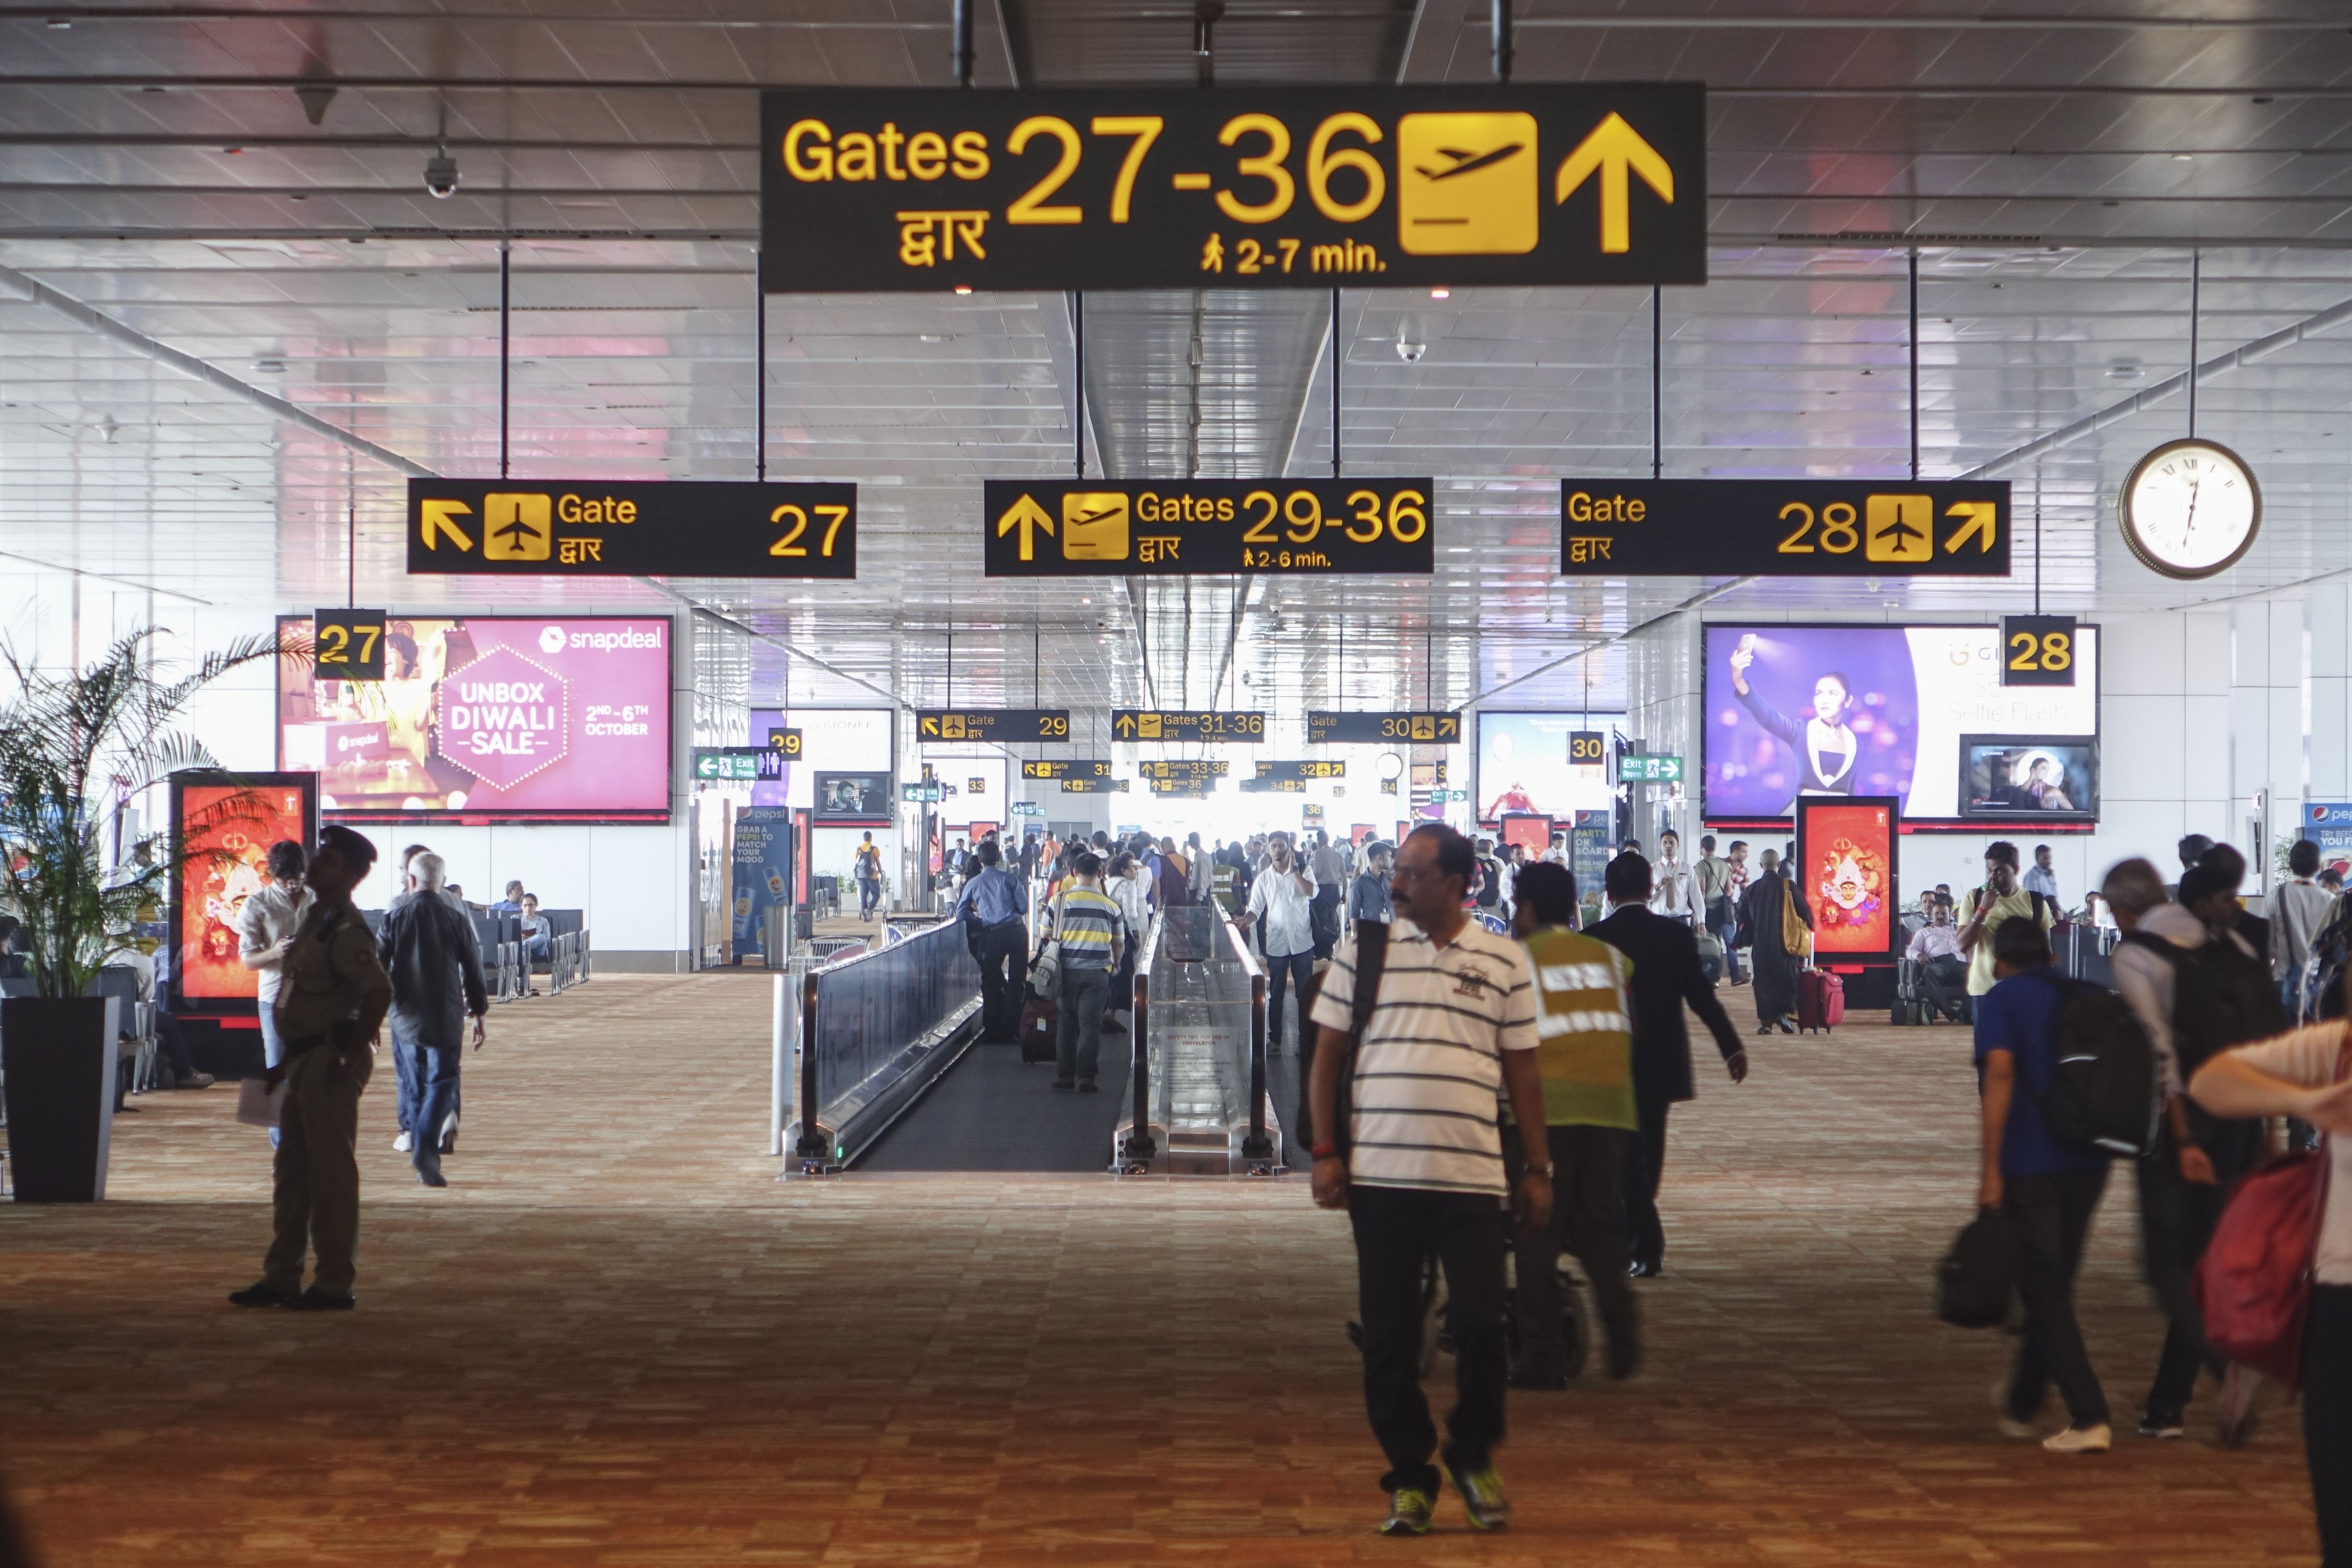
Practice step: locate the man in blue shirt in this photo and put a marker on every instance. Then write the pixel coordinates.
(2047, 1191)
(999, 900)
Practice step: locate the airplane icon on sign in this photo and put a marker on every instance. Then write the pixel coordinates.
(1464, 160)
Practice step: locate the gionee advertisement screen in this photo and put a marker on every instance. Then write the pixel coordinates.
(1824, 711)
(490, 719)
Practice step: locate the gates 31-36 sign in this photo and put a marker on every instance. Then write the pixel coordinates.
(1232, 188)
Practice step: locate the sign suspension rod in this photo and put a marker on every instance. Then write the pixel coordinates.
(1335, 384)
(1500, 25)
(959, 43)
(759, 374)
(506, 340)
(1657, 378)
(2196, 281)
(1914, 363)
(1079, 391)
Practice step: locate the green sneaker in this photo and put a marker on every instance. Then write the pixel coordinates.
(1482, 1495)
(1409, 1512)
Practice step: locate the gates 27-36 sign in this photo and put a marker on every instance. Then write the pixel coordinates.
(1590, 183)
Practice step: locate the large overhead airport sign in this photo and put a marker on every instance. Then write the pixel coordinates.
(1102, 527)
(1078, 768)
(1784, 528)
(1260, 187)
(1373, 729)
(1183, 768)
(935, 726)
(1186, 724)
(590, 527)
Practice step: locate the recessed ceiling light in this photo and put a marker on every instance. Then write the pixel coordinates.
(270, 366)
(60, 24)
(1441, 293)
(2184, 157)
(963, 288)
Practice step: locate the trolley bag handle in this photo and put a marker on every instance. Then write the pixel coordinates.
(1371, 961)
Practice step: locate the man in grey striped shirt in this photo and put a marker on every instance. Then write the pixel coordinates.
(1453, 1030)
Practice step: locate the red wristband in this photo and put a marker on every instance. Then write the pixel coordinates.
(1325, 1151)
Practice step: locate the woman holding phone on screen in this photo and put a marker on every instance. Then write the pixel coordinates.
(1826, 746)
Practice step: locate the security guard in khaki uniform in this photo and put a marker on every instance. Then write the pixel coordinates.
(330, 1003)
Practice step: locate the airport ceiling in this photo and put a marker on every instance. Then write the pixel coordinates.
(235, 188)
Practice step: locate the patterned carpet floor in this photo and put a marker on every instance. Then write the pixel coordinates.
(617, 1338)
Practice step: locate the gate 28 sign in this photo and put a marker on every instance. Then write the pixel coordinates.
(1591, 183)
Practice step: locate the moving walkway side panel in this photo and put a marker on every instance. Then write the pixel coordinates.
(1200, 1070)
(877, 1029)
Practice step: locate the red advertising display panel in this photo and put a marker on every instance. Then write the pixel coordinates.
(498, 718)
(1530, 832)
(1845, 858)
(222, 828)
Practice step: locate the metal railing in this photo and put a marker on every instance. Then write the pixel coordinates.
(877, 1029)
(1199, 1075)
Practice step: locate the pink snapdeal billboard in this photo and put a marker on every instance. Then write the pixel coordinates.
(490, 717)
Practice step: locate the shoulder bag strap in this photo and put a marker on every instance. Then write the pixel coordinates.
(1371, 962)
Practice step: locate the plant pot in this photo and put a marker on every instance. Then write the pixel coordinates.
(58, 1057)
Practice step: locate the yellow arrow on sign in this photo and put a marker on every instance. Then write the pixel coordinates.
(1981, 515)
(930, 727)
(1611, 149)
(438, 516)
(1124, 724)
(1027, 515)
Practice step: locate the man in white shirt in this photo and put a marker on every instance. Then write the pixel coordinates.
(1452, 1031)
(1943, 969)
(1281, 904)
(265, 929)
(2296, 912)
(2039, 877)
(1671, 890)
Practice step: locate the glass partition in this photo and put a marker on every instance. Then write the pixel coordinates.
(874, 1027)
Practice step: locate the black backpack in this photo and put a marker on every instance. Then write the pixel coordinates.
(2220, 998)
(2105, 1091)
(2319, 989)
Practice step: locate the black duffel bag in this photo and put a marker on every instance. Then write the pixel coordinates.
(1977, 1277)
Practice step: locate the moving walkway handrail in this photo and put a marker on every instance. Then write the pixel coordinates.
(1141, 1148)
(1257, 1146)
(905, 1013)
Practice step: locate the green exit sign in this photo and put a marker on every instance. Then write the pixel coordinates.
(1649, 770)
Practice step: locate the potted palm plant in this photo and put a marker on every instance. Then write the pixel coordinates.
(70, 744)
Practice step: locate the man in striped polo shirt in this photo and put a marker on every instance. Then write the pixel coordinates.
(1087, 925)
(1453, 1030)
(1587, 1061)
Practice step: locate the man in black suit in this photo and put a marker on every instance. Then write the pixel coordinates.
(1667, 973)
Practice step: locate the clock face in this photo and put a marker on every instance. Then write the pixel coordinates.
(2191, 509)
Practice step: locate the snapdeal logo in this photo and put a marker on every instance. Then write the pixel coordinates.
(601, 641)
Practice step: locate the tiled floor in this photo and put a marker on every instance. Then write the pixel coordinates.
(617, 1338)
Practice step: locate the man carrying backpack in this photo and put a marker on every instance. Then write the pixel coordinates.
(2045, 1189)
(2198, 989)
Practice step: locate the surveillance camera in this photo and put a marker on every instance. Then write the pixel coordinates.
(441, 173)
(1411, 352)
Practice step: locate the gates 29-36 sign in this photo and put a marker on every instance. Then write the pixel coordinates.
(1588, 183)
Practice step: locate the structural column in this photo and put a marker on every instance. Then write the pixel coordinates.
(2268, 770)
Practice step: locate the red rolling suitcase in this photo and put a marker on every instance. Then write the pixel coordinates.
(1821, 1000)
(1041, 1028)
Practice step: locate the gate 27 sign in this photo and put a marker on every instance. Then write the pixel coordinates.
(1259, 187)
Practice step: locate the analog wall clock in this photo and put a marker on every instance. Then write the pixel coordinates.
(2191, 509)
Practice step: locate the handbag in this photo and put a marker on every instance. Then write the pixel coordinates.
(1978, 1276)
(2254, 1284)
(1045, 969)
(1796, 936)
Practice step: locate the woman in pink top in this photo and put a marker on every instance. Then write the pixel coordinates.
(2303, 1074)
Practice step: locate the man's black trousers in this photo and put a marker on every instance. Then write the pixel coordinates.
(2327, 1417)
(2176, 1217)
(1397, 1230)
(1943, 987)
(1004, 956)
(1645, 1168)
(2048, 1218)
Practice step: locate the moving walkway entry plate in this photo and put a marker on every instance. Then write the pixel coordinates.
(1103, 527)
(1241, 187)
(1784, 528)
(596, 528)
